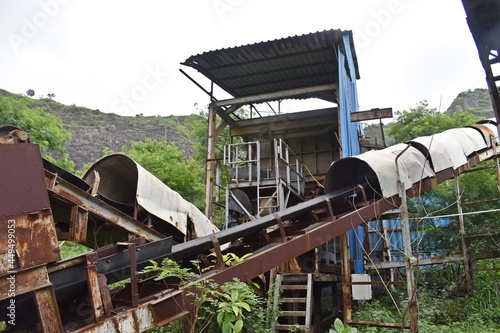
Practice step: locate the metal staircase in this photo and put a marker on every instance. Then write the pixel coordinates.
(268, 176)
(293, 301)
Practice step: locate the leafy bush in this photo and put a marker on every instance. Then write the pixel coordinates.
(439, 309)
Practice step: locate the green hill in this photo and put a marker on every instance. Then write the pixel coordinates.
(93, 131)
(477, 100)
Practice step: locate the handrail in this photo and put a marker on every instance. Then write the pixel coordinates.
(297, 168)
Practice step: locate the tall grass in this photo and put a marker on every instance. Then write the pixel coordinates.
(440, 309)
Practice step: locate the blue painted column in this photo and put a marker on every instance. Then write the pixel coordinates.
(348, 103)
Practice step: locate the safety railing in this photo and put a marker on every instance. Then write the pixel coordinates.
(289, 167)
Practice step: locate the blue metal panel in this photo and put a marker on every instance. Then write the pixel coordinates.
(348, 102)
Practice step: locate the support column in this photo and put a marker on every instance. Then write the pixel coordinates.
(497, 167)
(210, 167)
(346, 278)
(468, 280)
(410, 260)
(47, 309)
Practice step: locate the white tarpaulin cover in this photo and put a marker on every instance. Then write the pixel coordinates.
(445, 151)
(470, 139)
(412, 167)
(124, 181)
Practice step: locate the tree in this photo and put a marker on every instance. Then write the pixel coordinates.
(440, 235)
(30, 92)
(167, 163)
(43, 128)
(422, 120)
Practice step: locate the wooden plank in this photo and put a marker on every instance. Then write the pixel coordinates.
(371, 114)
(293, 313)
(293, 300)
(290, 328)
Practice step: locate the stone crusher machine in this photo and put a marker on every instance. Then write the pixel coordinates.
(43, 205)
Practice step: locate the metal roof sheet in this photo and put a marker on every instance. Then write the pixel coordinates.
(124, 181)
(445, 152)
(378, 168)
(470, 139)
(288, 63)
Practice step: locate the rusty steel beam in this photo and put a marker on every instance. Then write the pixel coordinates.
(346, 276)
(25, 281)
(78, 224)
(196, 246)
(170, 305)
(133, 320)
(421, 262)
(96, 303)
(173, 305)
(483, 20)
(47, 310)
(378, 324)
(275, 254)
(34, 280)
(65, 190)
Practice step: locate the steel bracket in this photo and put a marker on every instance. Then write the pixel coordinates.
(133, 272)
(220, 262)
(330, 209)
(96, 303)
(280, 226)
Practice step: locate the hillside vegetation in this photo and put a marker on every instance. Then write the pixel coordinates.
(94, 131)
(446, 304)
(477, 100)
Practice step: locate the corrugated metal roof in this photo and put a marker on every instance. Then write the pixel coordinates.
(288, 63)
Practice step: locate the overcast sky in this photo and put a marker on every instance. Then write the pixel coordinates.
(124, 56)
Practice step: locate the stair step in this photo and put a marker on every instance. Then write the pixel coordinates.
(268, 205)
(281, 327)
(293, 300)
(293, 313)
(267, 186)
(295, 278)
(293, 287)
(299, 285)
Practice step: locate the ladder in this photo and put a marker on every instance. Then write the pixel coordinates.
(293, 301)
(267, 200)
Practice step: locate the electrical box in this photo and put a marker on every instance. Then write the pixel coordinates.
(361, 291)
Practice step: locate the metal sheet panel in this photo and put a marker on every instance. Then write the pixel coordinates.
(444, 150)
(22, 179)
(469, 139)
(160, 200)
(124, 181)
(412, 167)
(362, 291)
(282, 64)
(494, 133)
(489, 133)
(27, 233)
